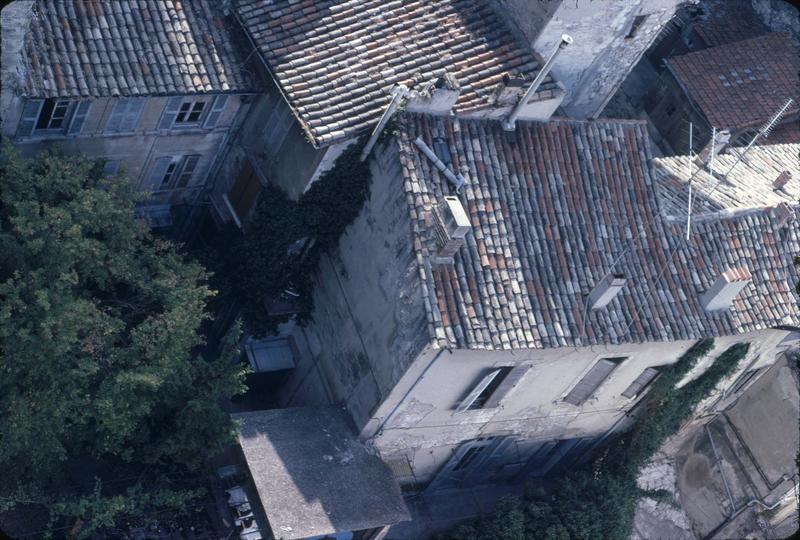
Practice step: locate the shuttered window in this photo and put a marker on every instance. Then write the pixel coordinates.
(161, 169)
(278, 125)
(488, 393)
(125, 115)
(79, 117)
(30, 113)
(244, 192)
(592, 380)
(187, 170)
(170, 112)
(641, 382)
(216, 111)
(111, 168)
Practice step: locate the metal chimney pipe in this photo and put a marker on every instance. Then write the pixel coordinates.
(509, 123)
(398, 93)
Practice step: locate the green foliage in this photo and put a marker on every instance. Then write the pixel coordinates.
(598, 500)
(260, 265)
(98, 324)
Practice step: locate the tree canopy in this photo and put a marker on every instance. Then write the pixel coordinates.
(99, 337)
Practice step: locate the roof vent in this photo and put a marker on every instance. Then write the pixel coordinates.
(782, 180)
(726, 287)
(451, 225)
(605, 291)
(782, 214)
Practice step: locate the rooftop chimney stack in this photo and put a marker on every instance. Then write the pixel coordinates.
(451, 225)
(782, 179)
(605, 291)
(782, 214)
(713, 147)
(726, 287)
(435, 97)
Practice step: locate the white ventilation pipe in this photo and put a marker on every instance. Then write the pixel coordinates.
(457, 181)
(509, 123)
(398, 93)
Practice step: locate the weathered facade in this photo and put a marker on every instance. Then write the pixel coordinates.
(495, 365)
(152, 89)
(609, 39)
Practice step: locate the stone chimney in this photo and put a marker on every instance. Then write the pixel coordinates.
(782, 180)
(451, 225)
(605, 291)
(721, 141)
(435, 97)
(726, 287)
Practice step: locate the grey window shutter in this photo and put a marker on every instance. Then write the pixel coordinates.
(157, 171)
(641, 382)
(472, 396)
(170, 112)
(590, 382)
(131, 116)
(117, 113)
(79, 117)
(30, 113)
(216, 111)
(508, 384)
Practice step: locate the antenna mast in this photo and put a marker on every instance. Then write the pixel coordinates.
(689, 209)
(765, 130)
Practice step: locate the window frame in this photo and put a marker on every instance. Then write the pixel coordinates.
(637, 23)
(642, 386)
(182, 118)
(492, 388)
(568, 397)
(45, 110)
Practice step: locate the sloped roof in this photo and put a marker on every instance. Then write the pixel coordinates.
(336, 61)
(728, 21)
(747, 186)
(552, 209)
(741, 84)
(93, 48)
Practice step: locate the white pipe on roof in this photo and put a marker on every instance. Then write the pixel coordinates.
(457, 181)
(398, 92)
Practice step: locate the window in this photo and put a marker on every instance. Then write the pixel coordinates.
(190, 112)
(125, 115)
(479, 396)
(170, 172)
(670, 110)
(52, 117)
(243, 193)
(592, 380)
(637, 22)
(642, 381)
(111, 168)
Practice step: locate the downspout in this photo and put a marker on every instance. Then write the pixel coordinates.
(509, 123)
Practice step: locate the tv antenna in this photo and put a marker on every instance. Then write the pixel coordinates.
(765, 130)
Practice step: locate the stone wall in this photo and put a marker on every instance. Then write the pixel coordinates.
(14, 19)
(778, 15)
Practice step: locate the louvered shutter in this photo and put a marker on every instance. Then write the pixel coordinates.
(157, 171)
(117, 114)
(30, 113)
(509, 383)
(170, 112)
(79, 117)
(636, 387)
(472, 396)
(216, 111)
(131, 116)
(590, 382)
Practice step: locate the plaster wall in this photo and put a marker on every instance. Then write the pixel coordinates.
(368, 326)
(597, 62)
(136, 150)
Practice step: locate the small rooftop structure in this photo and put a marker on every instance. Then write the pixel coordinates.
(88, 48)
(336, 61)
(555, 210)
(742, 84)
(313, 476)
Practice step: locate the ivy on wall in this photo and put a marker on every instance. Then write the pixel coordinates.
(598, 500)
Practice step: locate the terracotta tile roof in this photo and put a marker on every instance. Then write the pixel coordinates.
(337, 60)
(550, 213)
(787, 133)
(728, 21)
(741, 84)
(92, 48)
(748, 186)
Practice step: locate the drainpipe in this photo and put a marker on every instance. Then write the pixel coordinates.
(398, 93)
(509, 124)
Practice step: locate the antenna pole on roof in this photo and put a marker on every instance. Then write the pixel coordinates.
(765, 130)
(398, 93)
(510, 122)
(689, 208)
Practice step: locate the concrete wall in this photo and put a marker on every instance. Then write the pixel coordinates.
(594, 66)
(138, 149)
(368, 324)
(426, 429)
